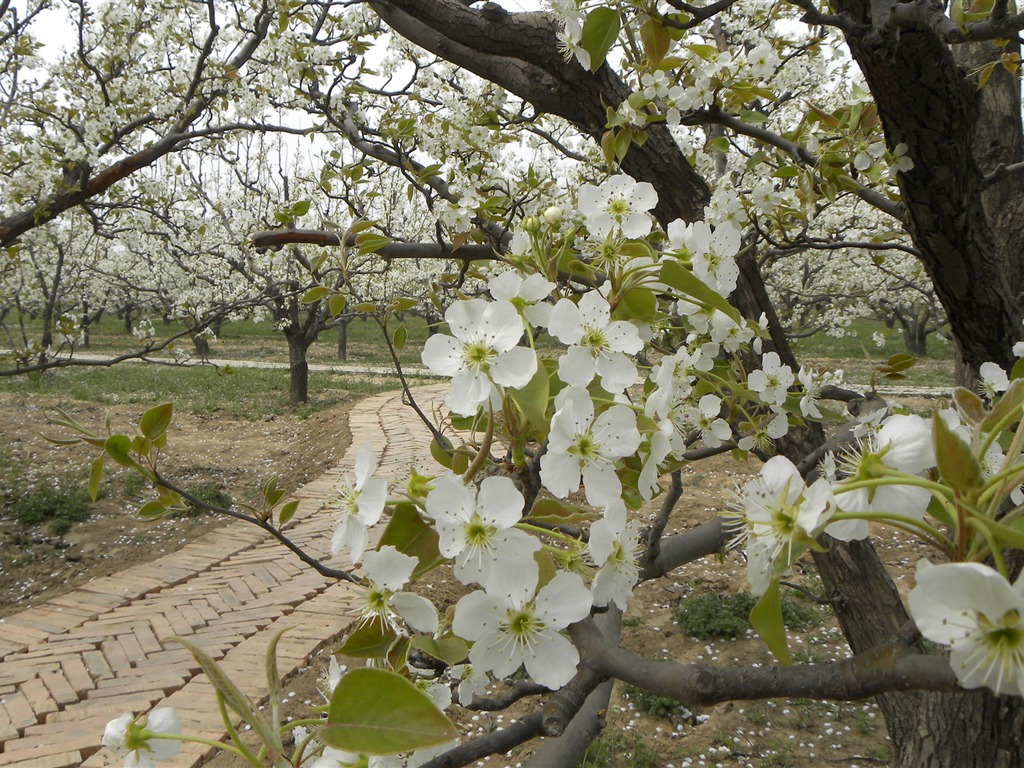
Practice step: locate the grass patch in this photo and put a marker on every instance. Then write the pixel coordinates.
(59, 501)
(652, 703)
(708, 615)
(210, 493)
(618, 749)
(241, 392)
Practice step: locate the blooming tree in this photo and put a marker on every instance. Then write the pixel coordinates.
(664, 349)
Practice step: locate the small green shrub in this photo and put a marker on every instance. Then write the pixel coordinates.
(633, 621)
(133, 485)
(708, 615)
(652, 703)
(618, 749)
(63, 504)
(211, 493)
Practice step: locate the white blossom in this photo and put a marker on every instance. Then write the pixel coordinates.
(510, 630)
(980, 615)
(478, 532)
(582, 446)
(359, 503)
(131, 737)
(482, 353)
(598, 344)
(620, 203)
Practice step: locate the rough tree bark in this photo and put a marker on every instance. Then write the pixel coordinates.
(925, 102)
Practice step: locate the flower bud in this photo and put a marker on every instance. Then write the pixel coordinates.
(531, 224)
(553, 215)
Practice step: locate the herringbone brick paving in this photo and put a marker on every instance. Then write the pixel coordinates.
(70, 665)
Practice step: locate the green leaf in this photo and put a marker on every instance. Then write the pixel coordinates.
(766, 619)
(683, 280)
(155, 421)
(639, 304)
(368, 242)
(450, 649)
(152, 510)
(557, 512)
(377, 712)
(400, 336)
(336, 304)
(366, 306)
(407, 533)
(314, 294)
(655, 40)
(370, 640)
(532, 399)
(117, 448)
(955, 460)
(600, 30)
(301, 208)
(287, 513)
(95, 476)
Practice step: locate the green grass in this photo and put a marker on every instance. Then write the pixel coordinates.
(859, 344)
(59, 501)
(709, 615)
(651, 703)
(243, 392)
(615, 749)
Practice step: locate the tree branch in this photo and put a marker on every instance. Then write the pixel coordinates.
(879, 670)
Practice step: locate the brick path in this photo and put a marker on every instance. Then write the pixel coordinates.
(77, 661)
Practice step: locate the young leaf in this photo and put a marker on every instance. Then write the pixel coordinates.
(155, 421)
(450, 649)
(400, 336)
(117, 448)
(407, 533)
(377, 712)
(955, 460)
(95, 475)
(151, 510)
(287, 513)
(532, 399)
(274, 686)
(1008, 404)
(314, 294)
(969, 404)
(655, 39)
(336, 304)
(683, 280)
(766, 619)
(233, 697)
(600, 30)
(371, 640)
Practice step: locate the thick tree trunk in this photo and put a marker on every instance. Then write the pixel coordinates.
(298, 368)
(343, 339)
(915, 339)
